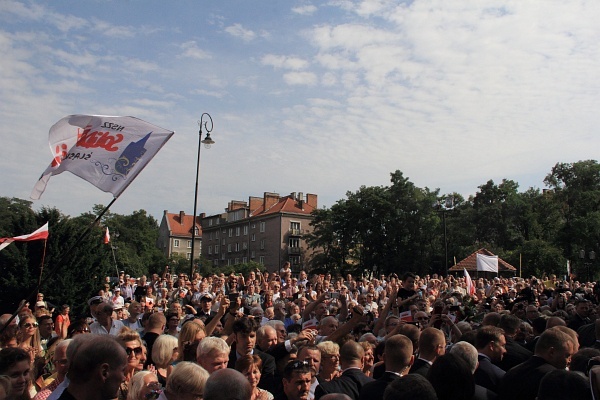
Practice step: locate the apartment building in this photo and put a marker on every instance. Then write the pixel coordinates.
(269, 230)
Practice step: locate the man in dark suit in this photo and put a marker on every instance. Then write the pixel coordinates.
(491, 346)
(432, 344)
(581, 316)
(553, 351)
(515, 353)
(352, 379)
(244, 331)
(296, 381)
(398, 357)
(468, 352)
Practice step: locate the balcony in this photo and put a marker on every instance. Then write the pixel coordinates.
(295, 232)
(294, 250)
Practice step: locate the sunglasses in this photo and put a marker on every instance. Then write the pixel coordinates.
(298, 364)
(30, 325)
(137, 351)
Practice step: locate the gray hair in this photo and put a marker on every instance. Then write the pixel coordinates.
(211, 344)
(467, 352)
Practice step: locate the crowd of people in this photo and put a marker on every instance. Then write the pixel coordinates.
(288, 336)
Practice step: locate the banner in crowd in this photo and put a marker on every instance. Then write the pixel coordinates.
(487, 263)
(109, 152)
(40, 234)
(470, 286)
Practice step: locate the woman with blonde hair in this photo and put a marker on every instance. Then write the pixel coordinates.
(368, 358)
(29, 336)
(130, 340)
(189, 337)
(250, 366)
(330, 361)
(143, 386)
(186, 382)
(164, 353)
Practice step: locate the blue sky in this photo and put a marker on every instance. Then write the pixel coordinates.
(313, 97)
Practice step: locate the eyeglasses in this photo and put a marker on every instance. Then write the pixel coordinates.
(298, 364)
(28, 325)
(155, 390)
(137, 351)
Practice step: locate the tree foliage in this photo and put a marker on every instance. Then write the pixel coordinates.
(401, 227)
(74, 265)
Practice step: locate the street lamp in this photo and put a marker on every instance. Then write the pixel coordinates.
(592, 257)
(207, 143)
(446, 205)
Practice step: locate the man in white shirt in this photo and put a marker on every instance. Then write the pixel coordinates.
(105, 324)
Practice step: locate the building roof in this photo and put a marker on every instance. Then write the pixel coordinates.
(286, 204)
(181, 225)
(470, 262)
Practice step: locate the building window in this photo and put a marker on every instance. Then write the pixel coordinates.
(209, 249)
(189, 244)
(252, 254)
(294, 260)
(230, 232)
(262, 244)
(253, 226)
(237, 247)
(196, 231)
(295, 228)
(175, 242)
(261, 260)
(262, 227)
(228, 261)
(253, 237)
(244, 246)
(237, 231)
(244, 260)
(294, 242)
(245, 230)
(216, 262)
(229, 248)
(216, 249)
(236, 261)
(210, 222)
(217, 234)
(222, 256)
(188, 256)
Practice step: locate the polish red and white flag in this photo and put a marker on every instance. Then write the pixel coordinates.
(107, 236)
(40, 234)
(470, 286)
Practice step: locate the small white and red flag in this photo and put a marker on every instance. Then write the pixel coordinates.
(107, 236)
(40, 234)
(470, 286)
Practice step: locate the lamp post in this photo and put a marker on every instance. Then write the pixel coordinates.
(207, 143)
(443, 206)
(592, 257)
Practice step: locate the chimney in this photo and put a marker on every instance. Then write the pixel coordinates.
(202, 215)
(293, 195)
(181, 215)
(270, 199)
(236, 205)
(254, 202)
(311, 200)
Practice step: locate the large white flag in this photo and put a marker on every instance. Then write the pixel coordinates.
(487, 263)
(470, 286)
(109, 152)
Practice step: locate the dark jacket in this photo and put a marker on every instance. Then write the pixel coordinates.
(350, 383)
(487, 374)
(374, 390)
(523, 381)
(267, 379)
(420, 367)
(515, 355)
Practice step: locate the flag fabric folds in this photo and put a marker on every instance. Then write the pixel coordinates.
(40, 234)
(109, 152)
(470, 286)
(107, 236)
(487, 263)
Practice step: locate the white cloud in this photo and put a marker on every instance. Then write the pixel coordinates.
(237, 30)
(191, 50)
(300, 78)
(307, 9)
(285, 62)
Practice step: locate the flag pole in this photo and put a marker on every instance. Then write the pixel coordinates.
(55, 269)
(42, 267)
